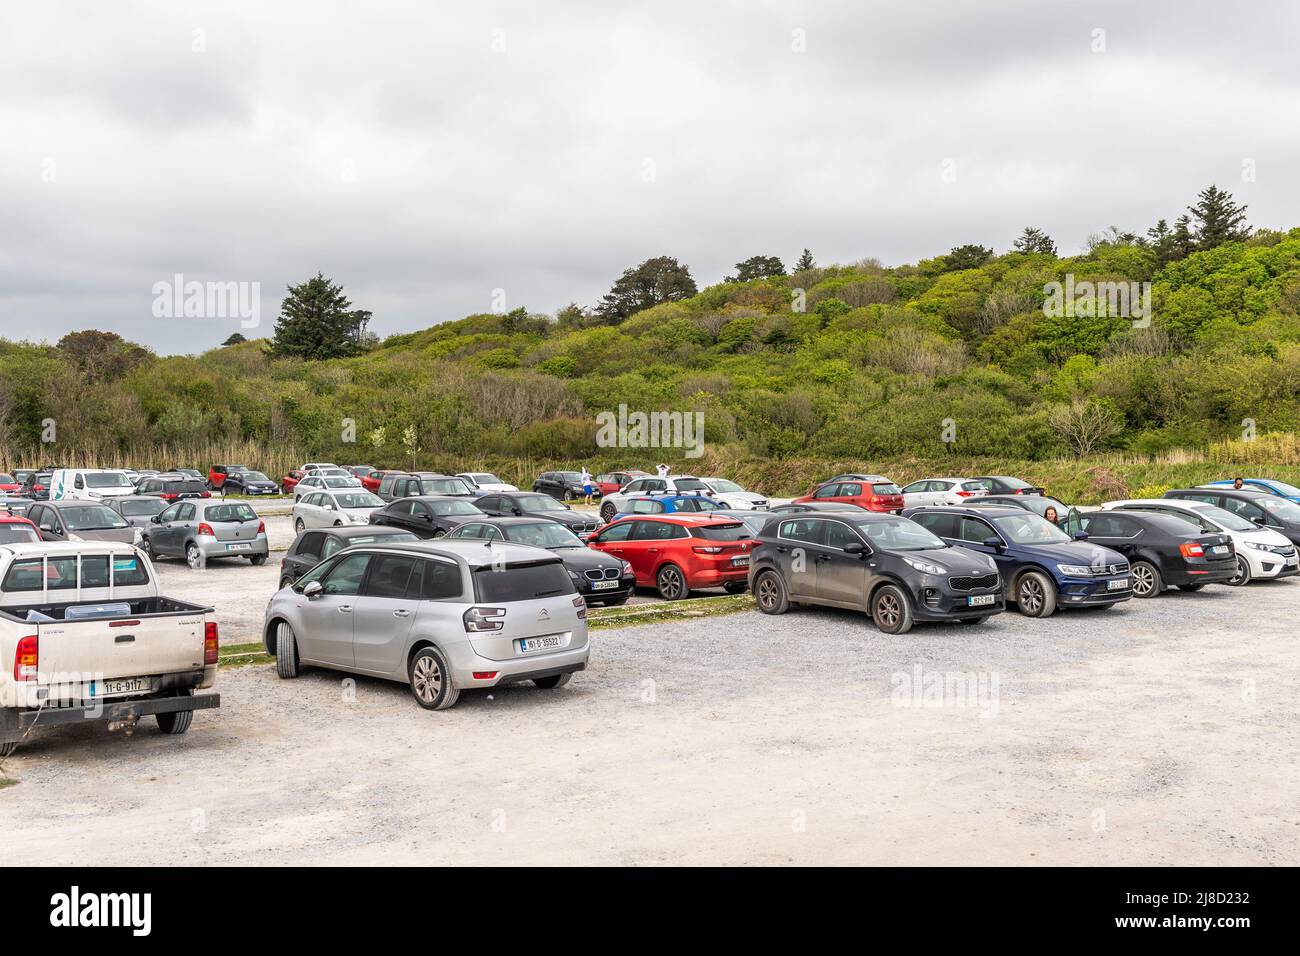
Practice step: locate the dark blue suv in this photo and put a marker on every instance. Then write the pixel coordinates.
(1042, 567)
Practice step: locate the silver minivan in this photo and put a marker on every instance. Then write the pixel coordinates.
(200, 529)
(441, 616)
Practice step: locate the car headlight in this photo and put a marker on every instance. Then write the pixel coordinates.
(925, 567)
(627, 567)
(1075, 570)
(1258, 546)
(992, 564)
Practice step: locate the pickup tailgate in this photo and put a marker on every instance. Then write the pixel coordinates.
(77, 652)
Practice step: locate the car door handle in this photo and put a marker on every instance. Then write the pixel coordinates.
(401, 612)
(345, 609)
(781, 549)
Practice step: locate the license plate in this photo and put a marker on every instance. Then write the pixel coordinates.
(241, 546)
(1117, 584)
(127, 685)
(604, 585)
(740, 562)
(1219, 549)
(980, 600)
(550, 642)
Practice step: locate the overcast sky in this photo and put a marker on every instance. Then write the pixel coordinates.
(427, 154)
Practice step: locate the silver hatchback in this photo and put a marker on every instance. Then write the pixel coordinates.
(200, 529)
(442, 616)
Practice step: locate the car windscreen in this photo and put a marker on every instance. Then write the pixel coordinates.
(522, 582)
(1280, 508)
(569, 475)
(1013, 482)
(690, 484)
(538, 503)
(1226, 519)
(232, 513)
(254, 476)
(141, 507)
(358, 499)
(443, 486)
(723, 486)
(900, 534)
(348, 482)
(1291, 491)
(1029, 528)
(453, 508)
(14, 533)
(543, 534)
(184, 487)
(722, 532)
(483, 478)
(107, 479)
(6, 479)
(91, 518)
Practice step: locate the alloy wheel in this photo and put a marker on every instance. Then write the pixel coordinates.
(767, 596)
(426, 679)
(1143, 580)
(888, 610)
(1031, 596)
(670, 583)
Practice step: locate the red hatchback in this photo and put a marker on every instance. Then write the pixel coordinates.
(8, 483)
(613, 482)
(675, 553)
(370, 481)
(15, 530)
(871, 492)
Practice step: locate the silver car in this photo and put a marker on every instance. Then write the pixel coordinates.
(199, 529)
(137, 509)
(441, 616)
(335, 508)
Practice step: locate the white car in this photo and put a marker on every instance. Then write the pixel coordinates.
(730, 495)
(312, 466)
(485, 481)
(652, 485)
(941, 491)
(89, 484)
(334, 508)
(1261, 552)
(318, 481)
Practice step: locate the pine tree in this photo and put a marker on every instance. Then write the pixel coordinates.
(1034, 239)
(805, 262)
(317, 321)
(1218, 218)
(757, 267)
(657, 280)
(1184, 240)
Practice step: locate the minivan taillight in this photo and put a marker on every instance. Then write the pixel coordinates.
(210, 642)
(1190, 549)
(27, 659)
(581, 605)
(479, 619)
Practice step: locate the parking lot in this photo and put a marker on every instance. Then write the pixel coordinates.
(1159, 732)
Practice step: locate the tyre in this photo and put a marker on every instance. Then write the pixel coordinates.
(286, 651)
(430, 679)
(175, 723)
(724, 506)
(891, 610)
(671, 583)
(1243, 574)
(147, 548)
(769, 592)
(1190, 587)
(617, 602)
(258, 560)
(1147, 582)
(285, 583)
(8, 721)
(193, 556)
(554, 682)
(973, 620)
(736, 587)
(298, 526)
(1035, 594)
(7, 749)
(607, 512)
(439, 532)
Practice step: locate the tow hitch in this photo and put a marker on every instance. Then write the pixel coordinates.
(126, 724)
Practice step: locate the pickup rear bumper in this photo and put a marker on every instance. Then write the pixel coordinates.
(14, 724)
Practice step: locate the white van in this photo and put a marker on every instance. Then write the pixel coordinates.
(89, 484)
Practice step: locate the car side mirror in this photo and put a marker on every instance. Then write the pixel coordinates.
(994, 543)
(156, 519)
(1081, 536)
(427, 517)
(855, 547)
(313, 589)
(517, 510)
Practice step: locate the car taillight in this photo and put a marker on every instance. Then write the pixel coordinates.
(707, 550)
(261, 527)
(581, 606)
(964, 494)
(210, 642)
(485, 675)
(1190, 549)
(27, 658)
(205, 528)
(479, 619)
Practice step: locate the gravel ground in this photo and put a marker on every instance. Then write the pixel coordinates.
(1159, 732)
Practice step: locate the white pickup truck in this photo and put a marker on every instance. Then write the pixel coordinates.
(84, 635)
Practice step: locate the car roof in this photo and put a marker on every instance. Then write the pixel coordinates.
(40, 548)
(1167, 502)
(359, 531)
(1240, 493)
(138, 498)
(14, 519)
(680, 517)
(477, 553)
(506, 521)
(856, 476)
(431, 498)
(983, 512)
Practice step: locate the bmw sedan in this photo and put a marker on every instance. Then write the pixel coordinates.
(426, 516)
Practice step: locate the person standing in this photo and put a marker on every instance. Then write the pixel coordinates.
(663, 471)
(1237, 484)
(588, 488)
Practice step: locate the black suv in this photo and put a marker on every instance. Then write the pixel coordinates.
(1163, 551)
(562, 485)
(507, 503)
(1266, 510)
(887, 566)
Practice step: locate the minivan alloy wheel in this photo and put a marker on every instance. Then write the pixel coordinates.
(426, 680)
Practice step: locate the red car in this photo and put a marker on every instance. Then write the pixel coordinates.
(15, 530)
(290, 481)
(217, 474)
(8, 483)
(371, 480)
(871, 492)
(677, 552)
(613, 482)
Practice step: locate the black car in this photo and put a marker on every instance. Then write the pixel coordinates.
(1266, 510)
(426, 516)
(249, 483)
(36, 486)
(1163, 551)
(599, 577)
(887, 566)
(1006, 485)
(802, 507)
(503, 504)
(562, 485)
(312, 547)
(398, 484)
(1066, 517)
(173, 487)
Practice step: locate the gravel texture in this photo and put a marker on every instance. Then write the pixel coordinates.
(1158, 732)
